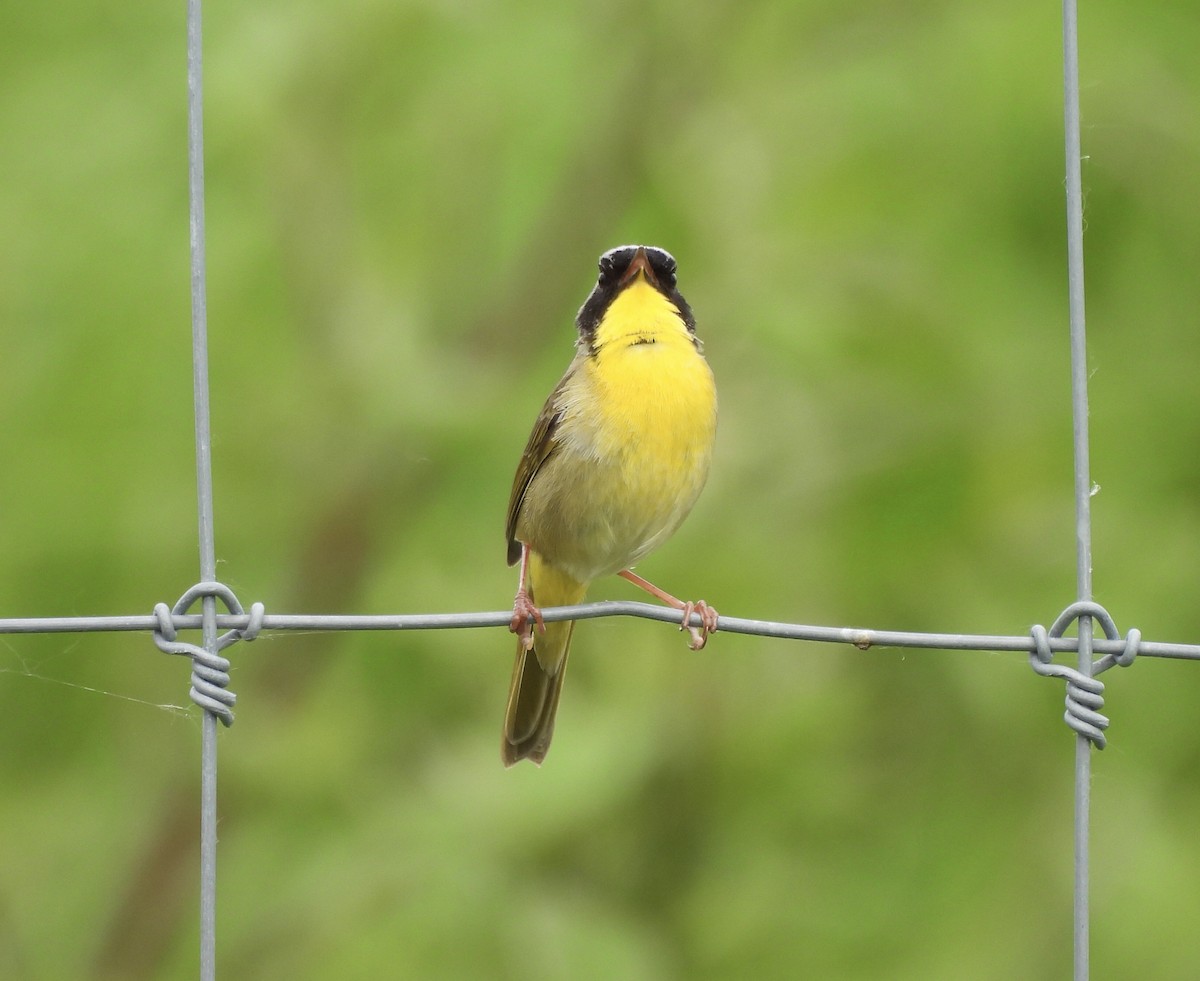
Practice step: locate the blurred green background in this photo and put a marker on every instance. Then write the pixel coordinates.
(405, 205)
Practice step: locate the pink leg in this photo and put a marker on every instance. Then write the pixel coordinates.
(708, 616)
(524, 612)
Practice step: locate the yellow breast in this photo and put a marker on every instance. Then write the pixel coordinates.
(654, 390)
(639, 422)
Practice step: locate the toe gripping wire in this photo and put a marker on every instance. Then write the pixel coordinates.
(210, 671)
(1085, 696)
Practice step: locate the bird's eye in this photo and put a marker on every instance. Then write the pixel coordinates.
(612, 263)
(663, 264)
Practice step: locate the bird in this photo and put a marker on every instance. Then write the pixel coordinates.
(616, 459)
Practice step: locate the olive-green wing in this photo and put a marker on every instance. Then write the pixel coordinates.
(538, 450)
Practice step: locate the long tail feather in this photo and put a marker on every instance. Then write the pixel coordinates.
(538, 673)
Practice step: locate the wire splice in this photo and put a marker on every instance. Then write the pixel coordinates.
(1085, 696)
(210, 671)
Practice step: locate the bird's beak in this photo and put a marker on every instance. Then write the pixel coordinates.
(639, 264)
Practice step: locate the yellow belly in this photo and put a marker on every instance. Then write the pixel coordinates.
(634, 447)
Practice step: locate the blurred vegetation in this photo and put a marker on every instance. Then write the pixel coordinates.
(405, 205)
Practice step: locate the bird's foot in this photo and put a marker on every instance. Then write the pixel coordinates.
(708, 625)
(708, 616)
(525, 615)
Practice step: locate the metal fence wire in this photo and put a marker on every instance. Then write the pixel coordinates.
(210, 669)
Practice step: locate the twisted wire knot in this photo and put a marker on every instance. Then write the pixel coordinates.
(210, 671)
(1085, 696)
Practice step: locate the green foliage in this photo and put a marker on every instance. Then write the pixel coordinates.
(405, 206)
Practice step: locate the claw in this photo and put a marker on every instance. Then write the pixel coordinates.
(708, 618)
(525, 614)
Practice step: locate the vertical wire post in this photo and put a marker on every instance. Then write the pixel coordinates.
(1083, 487)
(204, 492)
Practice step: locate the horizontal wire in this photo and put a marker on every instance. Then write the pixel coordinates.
(859, 637)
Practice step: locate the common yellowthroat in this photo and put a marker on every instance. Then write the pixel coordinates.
(616, 459)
